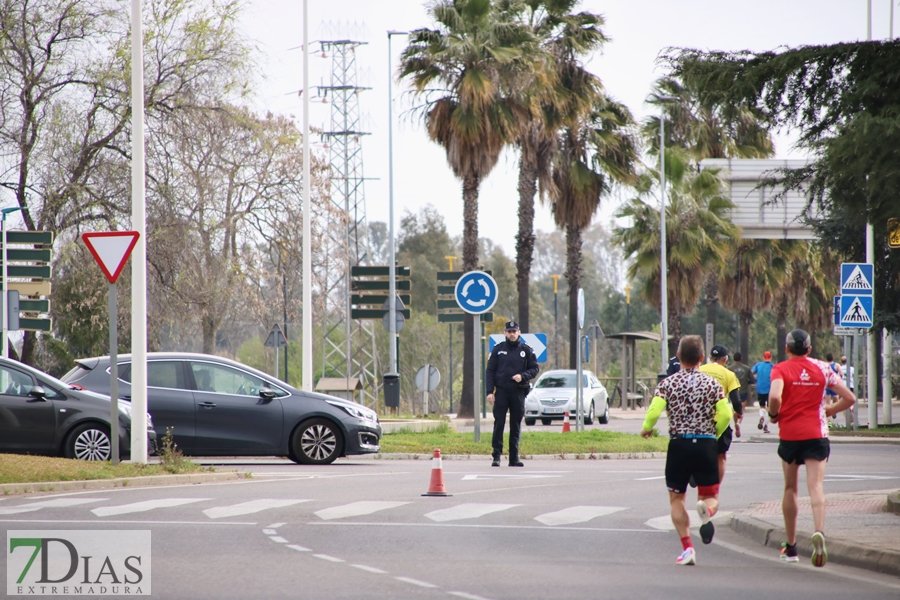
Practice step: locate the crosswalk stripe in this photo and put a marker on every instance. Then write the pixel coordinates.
(665, 523)
(246, 508)
(355, 509)
(467, 511)
(122, 509)
(576, 514)
(57, 503)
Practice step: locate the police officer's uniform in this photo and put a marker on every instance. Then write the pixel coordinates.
(506, 361)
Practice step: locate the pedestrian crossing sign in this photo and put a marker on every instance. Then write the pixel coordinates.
(857, 279)
(856, 311)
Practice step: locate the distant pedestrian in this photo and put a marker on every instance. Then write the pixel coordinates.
(674, 366)
(697, 411)
(744, 376)
(849, 374)
(797, 405)
(763, 372)
(511, 366)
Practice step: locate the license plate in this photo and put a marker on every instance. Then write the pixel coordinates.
(554, 411)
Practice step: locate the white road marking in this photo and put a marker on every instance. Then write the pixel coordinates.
(246, 508)
(57, 503)
(269, 531)
(576, 514)
(423, 584)
(665, 523)
(477, 526)
(483, 476)
(650, 478)
(278, 539)
(130, 522)
(122, 509)
(275, 525)
(467, 511)
(298, 548)
(355, 509)
(466, 596)
(329, 558)
(370, 569)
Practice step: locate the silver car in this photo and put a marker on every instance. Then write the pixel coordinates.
(554, 394)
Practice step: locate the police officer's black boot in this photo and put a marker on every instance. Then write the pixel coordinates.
(496, 460)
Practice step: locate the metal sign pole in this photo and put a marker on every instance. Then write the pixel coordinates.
(114, 375)
(425, 391)
(476, 382)
(579, 386)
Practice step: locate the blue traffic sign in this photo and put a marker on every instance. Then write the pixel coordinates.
(856, 311)
(476, 292)
(857, 279)
(837, 310)
(537, 341)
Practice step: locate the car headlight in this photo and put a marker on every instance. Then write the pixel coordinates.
(360, 412)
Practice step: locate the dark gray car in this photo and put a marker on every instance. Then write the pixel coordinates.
(40, 414)
(219, 407)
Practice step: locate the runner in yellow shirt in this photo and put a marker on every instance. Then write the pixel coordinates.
(731, 386)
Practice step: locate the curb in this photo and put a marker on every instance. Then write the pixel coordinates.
(841, 552)
(8, 489)
(485, 457)
(893, 502)
(834, 439)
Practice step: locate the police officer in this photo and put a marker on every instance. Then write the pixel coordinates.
(511, 366)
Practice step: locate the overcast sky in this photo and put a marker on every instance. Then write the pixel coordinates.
(639, 30)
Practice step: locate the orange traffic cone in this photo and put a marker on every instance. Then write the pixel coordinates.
(566, 427)
(437, 476)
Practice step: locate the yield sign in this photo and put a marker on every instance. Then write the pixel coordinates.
(111, 250)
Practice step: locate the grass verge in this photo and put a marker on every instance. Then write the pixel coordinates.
(539, 442)
(21, 468)
(882, 431)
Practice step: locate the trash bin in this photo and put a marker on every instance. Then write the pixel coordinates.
(391, 390)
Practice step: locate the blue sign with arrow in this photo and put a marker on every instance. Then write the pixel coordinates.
(476, 292)
(537, 341)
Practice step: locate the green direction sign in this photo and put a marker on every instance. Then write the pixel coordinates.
(379, 286)
(461, 316)
(28, 255)
(378, 271)
(377, 300)
(35, 306)
(35, 324)
(37, 238)
(364, 314)
(31, 271)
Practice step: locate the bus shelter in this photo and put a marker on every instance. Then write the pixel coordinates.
(633, 392)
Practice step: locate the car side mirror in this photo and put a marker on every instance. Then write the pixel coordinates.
(38, 392)
(267, 393)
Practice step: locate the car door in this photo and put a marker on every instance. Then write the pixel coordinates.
(170, 400)
(597, 393)
(27, 423)
(231, 415)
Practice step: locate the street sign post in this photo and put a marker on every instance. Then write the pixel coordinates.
(111, 250)
(857, 302)
(276, 340)
(427, 380)
(476, 293)
(579, 369)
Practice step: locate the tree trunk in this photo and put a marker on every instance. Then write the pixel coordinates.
(209, 326)
(29, 343)
(525, 237)
(573, 277)
(467, 402)
(781, 310)
(712, 299)
(746, 319)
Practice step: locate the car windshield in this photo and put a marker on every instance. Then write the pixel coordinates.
(559, 380)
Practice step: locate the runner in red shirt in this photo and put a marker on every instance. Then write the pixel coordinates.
(797, 405)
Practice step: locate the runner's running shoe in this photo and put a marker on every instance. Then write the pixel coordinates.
(761, 422)
(737, 430)
(819, 553)
(707, 529)
(766, 429)
(688, 557)
(789, 554)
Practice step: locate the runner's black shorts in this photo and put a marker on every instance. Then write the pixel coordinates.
(763, 399)
(724, 441)
(691, 457)
(796, 451)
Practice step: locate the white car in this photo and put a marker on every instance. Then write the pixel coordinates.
(554, 394)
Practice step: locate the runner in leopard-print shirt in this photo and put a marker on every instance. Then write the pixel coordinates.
(690, 398)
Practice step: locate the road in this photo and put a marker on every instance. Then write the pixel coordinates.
(554, 529)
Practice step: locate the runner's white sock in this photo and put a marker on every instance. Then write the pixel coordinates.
(764, 416)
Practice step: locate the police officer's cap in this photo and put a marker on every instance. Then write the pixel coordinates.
(512, 326)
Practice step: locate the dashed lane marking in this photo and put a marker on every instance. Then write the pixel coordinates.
(417, 582)
(467, 511)
(329, 558)
(370, 569)
(576, 514)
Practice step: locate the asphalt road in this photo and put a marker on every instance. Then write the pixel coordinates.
(554, 529)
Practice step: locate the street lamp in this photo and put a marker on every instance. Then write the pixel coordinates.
(555, 279)
(663, 261)
(392, 268)
(5, 287)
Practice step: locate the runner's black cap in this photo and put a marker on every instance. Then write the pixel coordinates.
(797, 342)
(718, 351)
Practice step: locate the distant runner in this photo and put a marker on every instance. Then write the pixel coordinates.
(730, 385)
(763, 372)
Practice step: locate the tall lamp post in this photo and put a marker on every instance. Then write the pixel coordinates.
(392, 268)
(663, 260)
(555, 279)
(5, 287)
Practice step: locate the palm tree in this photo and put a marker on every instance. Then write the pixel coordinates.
(554, 98)
(460, 69)
(706, 127)
(698, 235)
(591, 156)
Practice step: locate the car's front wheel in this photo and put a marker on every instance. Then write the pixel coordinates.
(89, 441)
(546, 421)
(589, 417)
(316, 442)
(604, 418)
(529, 422)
